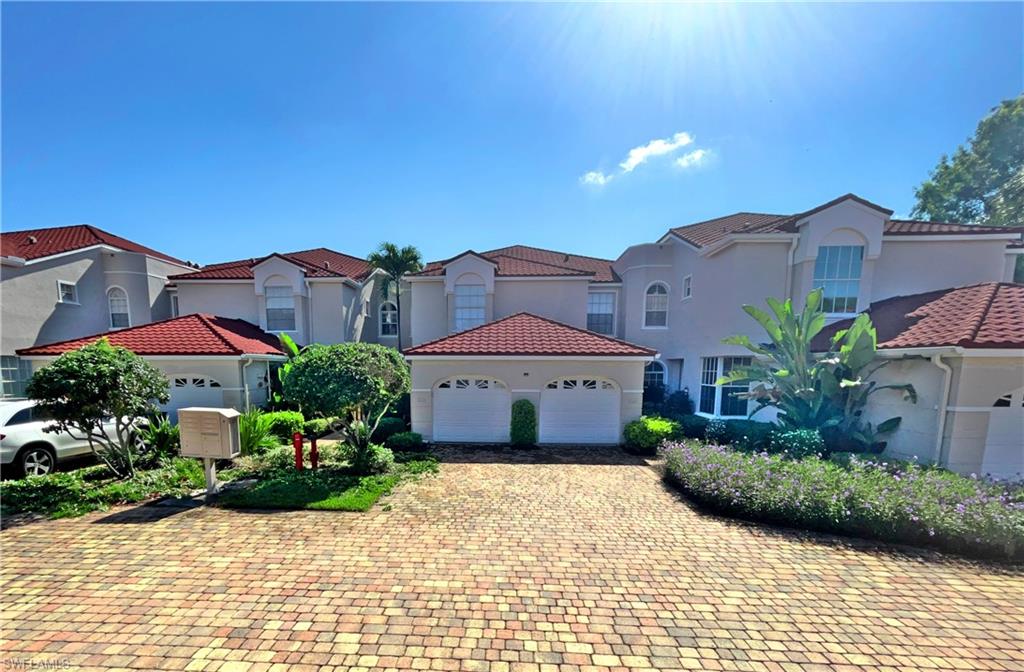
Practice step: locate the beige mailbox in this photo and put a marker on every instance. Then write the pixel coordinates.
(210, 433)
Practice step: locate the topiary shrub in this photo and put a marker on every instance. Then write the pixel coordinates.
(388, 427)
(523, 432)
(316, 427)
(285, 423)
(717, 432)
(750, 434)
(406, 441)
(693, 426)
(798, 443)
(643, 436)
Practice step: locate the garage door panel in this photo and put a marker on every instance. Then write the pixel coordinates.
(1004, 445)
(193, 390)
(471, 413)
(580, 411)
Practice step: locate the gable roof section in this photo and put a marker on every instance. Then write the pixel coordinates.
(196, 335)
(316, 263)
(525, 335)
(986, 315)
(38, 243)
(712, 231)
(525, 261)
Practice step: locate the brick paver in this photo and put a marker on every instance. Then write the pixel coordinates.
(505, 561)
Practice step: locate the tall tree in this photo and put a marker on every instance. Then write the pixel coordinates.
(983, 182)
(395, 262)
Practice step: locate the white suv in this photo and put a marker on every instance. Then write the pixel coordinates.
(26, 447)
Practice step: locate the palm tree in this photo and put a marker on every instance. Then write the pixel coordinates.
(395, 262)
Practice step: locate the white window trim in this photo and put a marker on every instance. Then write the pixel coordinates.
(380, 319)
(175, 309)
(860, 279)
(668, 293)
(110, 313)
(60, 295)
(720, 364)
(687, 284)
(295, 312)
(456, 308)
(615, 310)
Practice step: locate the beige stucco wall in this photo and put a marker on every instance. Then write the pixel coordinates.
(525, 379)
(916, 435)
(911, 267)
(227, 299)
(561, 300)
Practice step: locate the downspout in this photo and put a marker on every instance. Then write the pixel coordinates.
(947, 382)
(245, 381)
(789, 265)
(309, 317)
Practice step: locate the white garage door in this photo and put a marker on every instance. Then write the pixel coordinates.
(193, 391)
(1004, 445)
(471, 409)
(580, 410)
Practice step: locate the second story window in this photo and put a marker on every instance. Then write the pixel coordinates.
(388, 319)
(656, 305)
(470, 306)
(837, 271)
(687, 287)
(67, 292)
(601, 312)
(174, 305)
(280, 308)
(117, 303)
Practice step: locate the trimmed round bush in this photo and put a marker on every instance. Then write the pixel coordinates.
(750, 434)
(646, 434)
(316, 427)
(374, 459)
(717, 431)
(798, 443)
(693, 426)
(285, 423)
(523, 432)
(387, 428)
(406, 441)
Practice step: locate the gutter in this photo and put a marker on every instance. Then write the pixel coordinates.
(790, 256)
(947, 381)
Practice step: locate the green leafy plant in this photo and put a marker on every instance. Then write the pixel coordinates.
(717, 432)
(693, 426)
(283, 424)
(395, 262)
(827, 392)
(255, 432)
(316, 427)
(750, 434)
(388, 427)
(797, 443)
(160, 436)
(97, 385)
(523, 430)
(374, 459)
(411, 441)
(646, 434)
(355, 382)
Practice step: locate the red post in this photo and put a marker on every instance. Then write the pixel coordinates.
(297, 442)
(314, 456)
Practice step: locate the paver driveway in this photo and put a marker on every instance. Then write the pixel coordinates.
(495, 564)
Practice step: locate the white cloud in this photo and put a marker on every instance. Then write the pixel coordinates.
(596, 178)
(639, 155)
(693, 159)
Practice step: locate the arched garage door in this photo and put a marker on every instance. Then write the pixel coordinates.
(194, 390)
(471, 409)
(1004, 444)
(580, 410)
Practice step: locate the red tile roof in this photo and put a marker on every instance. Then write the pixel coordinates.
(197, 335)
(987, 315)
(715, 230)
(316, 263)
(523, 335)
(39, 243)
(522, 261)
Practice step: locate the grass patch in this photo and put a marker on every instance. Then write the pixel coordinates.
(877, 499)
(75, 493)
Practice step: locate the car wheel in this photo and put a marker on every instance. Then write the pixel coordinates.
(36, 460)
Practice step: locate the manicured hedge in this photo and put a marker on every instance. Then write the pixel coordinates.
(646, 434)
(523, 431)
(285, 423)
(884, 500)
(387, 428)
(405, 441)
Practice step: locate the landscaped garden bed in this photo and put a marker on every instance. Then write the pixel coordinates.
(865, 496)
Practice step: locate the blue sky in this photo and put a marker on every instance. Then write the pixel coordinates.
(216, 132)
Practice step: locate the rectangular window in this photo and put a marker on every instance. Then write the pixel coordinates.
(721, 400)
(14, 376)
(687, 286)
(601, 312)
(174, 305)
(470, 306)
(280, 308)
(67, 292)
(837, 270)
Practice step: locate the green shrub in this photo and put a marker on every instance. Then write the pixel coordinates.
(254, 432)
(717, 432)
(899, 502)
(405, 441)
(316, 427)
(373, 459)
(693, 426)
(798, 443)
(523, 432)
(750, 434)
(387, 428)
(646, 434)
(285, 423)
(677, 404)
(161, 437)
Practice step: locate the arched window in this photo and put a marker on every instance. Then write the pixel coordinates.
(654, 374)
(470, 302)
(656, 305)
(117, 303)
(280, 307)
(388, 319)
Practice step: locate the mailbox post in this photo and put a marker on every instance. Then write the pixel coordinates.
(211, 434)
